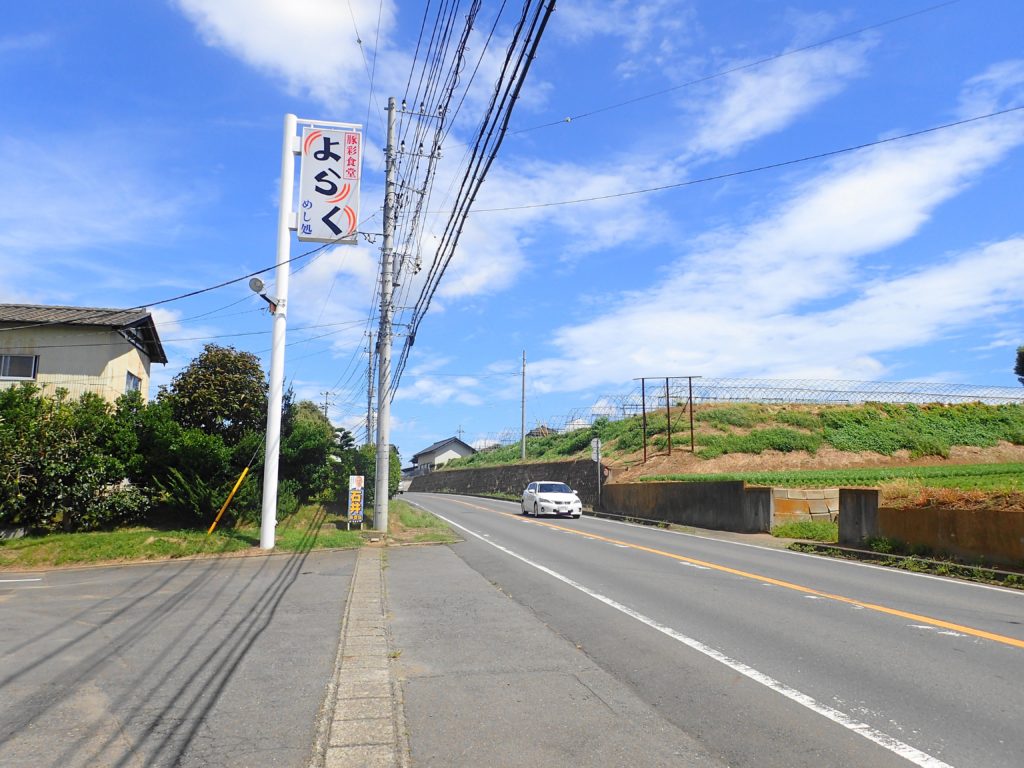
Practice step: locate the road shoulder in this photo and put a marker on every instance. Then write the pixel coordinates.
(485, 682)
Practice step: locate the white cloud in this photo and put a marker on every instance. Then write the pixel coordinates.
(761, 100)
(748, 301)
(310, 44)
(29, 42)
(84, 196)
(652, 32)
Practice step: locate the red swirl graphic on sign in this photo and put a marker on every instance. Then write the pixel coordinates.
(341, 195)
(313, 136)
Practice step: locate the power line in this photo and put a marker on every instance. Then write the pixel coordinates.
(519, 55)
(781, 164)
(740, 68)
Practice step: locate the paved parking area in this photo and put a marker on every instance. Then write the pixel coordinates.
(188, 663)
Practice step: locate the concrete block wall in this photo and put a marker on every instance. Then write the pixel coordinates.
(722, 506)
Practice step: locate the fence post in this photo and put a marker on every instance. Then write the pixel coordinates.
(668, 416)
(643, 410)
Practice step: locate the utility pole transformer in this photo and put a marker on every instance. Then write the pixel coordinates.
(380, 495)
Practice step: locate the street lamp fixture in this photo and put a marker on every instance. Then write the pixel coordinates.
(259, 288)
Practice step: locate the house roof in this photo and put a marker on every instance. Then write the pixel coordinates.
(441, 444)
(139, 321)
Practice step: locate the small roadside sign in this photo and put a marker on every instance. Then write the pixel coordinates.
(595, 449)
(355, 499)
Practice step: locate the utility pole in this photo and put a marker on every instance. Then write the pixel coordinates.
(326, 402)
(522, 415)
(369, 388)
(380, 496)
(268, 514)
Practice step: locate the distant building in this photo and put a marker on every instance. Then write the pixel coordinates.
(80, 349)
(437, 455)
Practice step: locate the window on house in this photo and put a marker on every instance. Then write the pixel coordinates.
(132, 383)
(18, 366)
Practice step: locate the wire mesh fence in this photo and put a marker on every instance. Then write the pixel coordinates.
(655, 392)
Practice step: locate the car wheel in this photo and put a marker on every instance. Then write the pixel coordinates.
(576, 517)
(536, 510)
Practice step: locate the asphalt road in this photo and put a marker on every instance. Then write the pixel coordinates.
(762, 656)
(219, 662)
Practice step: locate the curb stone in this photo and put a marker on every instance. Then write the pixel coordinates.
(361, 723)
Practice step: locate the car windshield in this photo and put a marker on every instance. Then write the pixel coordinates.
(553, 488)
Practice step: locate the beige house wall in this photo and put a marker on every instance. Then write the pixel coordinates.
(78, 358)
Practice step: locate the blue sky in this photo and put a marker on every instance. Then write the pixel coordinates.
(140, 156)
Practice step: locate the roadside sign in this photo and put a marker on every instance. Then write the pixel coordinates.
(329, 185)
(355, 499)
(595, 449)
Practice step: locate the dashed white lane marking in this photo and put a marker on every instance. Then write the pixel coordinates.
(16, 581)
(914, 755)
(947, 632)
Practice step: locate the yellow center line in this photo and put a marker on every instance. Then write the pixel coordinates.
(769, 580)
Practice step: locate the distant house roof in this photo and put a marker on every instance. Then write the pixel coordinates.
(136, 325)
(442, 444)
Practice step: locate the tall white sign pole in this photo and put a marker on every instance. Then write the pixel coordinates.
(285, 223)
(380, 493)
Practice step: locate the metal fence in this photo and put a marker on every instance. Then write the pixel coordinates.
(675, 390)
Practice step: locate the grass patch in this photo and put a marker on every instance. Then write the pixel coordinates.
(411, 525)
(924, 430)
(758, 441)
(114, 546)
(814, 530)
(985, 477)
(311, 527)
(735, 415)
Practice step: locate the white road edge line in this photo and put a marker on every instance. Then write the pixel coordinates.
(12, 581)
(914, 755)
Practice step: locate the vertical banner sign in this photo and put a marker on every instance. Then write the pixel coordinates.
(332, 162)
(355, 498)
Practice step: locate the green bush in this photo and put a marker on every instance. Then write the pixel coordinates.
(54, 471)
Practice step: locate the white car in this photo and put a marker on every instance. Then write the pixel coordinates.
(548, 497)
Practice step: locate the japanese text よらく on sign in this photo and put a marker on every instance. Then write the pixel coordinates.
(329, 185)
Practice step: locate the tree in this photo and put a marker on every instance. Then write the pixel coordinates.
(222, 392)
(1019, 368)
(307, 438)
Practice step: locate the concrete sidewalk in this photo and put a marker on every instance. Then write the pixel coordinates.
(486, 683)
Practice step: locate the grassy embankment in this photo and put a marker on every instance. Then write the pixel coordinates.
(312, 527)
(750, 428)
(918, 431)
